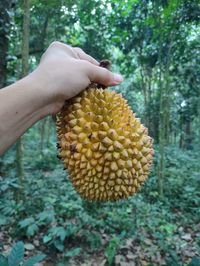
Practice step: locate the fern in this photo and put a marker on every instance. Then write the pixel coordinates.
(33, 260)
(15, 258)
(16, 254)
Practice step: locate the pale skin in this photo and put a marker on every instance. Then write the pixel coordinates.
(62, 73)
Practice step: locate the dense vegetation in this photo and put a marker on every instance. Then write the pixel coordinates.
(155, 45)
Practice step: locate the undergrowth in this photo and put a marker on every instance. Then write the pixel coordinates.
(68, 228)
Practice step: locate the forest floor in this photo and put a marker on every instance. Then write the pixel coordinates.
(145, 230)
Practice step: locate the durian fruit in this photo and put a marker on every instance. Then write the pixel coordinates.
(104, 147)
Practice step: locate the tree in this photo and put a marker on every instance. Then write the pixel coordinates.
(25, 71)
(5, 9)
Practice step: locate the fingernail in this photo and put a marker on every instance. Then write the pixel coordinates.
(118, 78)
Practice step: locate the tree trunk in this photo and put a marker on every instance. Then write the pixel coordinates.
(5, 7)
(25, 39)
(164, 85)
(44, 122)
(198, 123)
(167, 115)
(188, 139)
(161, 134)
(42, 134)
(25, 71)
(161, 131)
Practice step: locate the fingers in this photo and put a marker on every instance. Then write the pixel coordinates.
(102, 76)
(90, 66)
(64, 47)
(82, 55)
(75, 52)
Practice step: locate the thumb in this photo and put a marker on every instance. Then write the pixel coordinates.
(103, 76)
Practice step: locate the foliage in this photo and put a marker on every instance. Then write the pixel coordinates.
(63, 223)
(16, 255)
(155, 45)
(111, 249)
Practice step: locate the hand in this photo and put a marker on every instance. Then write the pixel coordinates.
(65, 71)
(62, 73)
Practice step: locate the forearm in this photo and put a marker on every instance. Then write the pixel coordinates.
(21, 105)
(63, 72)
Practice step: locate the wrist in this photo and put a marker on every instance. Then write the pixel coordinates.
(47, 101)
(40, 100)
(37, 91)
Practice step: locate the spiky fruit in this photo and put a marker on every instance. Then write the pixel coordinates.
(106, 150)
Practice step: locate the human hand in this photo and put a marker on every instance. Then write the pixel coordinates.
(65, 71)
(62, 73)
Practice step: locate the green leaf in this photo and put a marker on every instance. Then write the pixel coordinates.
(26, 222)
(73, 252)
(61, 232)
(111, 249)
(58, 245)
(32, 229)
(32, 261)
(46, 216)
(3, 220)
(47, 239)
(16, 254)
(3, 260)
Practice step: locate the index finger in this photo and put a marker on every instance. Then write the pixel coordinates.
(83, 56)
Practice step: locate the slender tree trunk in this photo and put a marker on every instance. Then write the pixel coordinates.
(25, 39)
(44, 122)
(161, 133)
(181, 131)
(185, 136)
(188, 140)
(25, 70)
(161, 139)
(163, 125)
(164, 85)
(167, 114)
(42, 134)
(145, 92)
(49, 132)
(198, 124)
(149, 99)
(5, 6)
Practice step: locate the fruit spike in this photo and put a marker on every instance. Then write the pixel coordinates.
(104, 147)
(108, 155)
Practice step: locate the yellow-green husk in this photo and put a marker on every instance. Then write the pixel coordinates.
(104, 147)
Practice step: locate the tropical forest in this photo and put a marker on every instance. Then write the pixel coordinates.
(114, 178)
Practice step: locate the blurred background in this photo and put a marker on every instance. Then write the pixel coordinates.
(155, 45)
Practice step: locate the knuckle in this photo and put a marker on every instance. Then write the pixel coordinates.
(55, 43)
(87, 68)
(78, 49)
